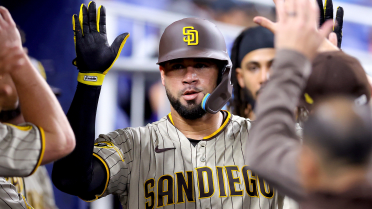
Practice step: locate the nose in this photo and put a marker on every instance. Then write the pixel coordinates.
(190, 76)
(264, 75)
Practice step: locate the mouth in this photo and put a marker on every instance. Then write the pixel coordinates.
(190, 94)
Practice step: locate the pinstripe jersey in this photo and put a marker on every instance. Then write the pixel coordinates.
(21, 149)
(9, 198)
(157, 166)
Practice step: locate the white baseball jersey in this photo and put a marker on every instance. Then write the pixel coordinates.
(10, 198)
(21, 149)
(157, 167)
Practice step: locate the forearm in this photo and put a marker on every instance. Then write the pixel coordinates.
(75, 170)
(274, 147)
(40, 107)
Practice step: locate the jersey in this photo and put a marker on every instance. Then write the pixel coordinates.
(39, 190)
(157, 167)
(22, 148)
(9, 198)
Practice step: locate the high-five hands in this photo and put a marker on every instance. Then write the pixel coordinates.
(94, 56)
(296, 28)
(326, 13)
(293, 6)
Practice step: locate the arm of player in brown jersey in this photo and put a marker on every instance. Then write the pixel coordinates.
(274, 146)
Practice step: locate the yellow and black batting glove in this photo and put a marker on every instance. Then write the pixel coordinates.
(94, 56)
(326, 13)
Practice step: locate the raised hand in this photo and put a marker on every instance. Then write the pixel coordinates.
(326, 13)
(11, 51)
(296, 27)
(94, 56)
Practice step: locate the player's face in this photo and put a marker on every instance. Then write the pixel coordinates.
(187, 81)
(255, 70)
(8, 93)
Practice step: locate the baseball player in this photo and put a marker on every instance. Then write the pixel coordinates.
(46, 136)
(252, 56)
(37, 188)
(191, 158)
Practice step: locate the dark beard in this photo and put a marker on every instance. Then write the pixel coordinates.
(195, 111)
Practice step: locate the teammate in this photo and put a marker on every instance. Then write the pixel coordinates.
(37, 188)
(191, 158)
(47, 136)
(252, 56)
(330, 169)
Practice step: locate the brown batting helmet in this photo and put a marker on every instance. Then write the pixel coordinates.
(198, 38)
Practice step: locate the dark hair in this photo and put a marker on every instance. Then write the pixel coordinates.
(238, 103)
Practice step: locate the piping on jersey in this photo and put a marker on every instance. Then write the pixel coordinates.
(214, 133)
(107, 176)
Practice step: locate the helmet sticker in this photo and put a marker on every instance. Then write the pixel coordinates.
(192, 36)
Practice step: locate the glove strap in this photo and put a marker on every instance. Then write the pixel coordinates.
(91, 79)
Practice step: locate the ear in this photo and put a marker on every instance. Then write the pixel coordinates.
(162, 72)
(240, 78)
(309, 169)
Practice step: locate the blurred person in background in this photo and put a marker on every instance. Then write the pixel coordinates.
(330, 169)
(252, 56)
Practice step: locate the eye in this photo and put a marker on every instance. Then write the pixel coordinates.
(177, 66)
(201, 65)
(253, 68)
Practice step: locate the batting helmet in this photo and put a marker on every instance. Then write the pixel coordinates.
(198, 38)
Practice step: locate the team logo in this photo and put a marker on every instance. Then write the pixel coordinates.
(90, 78)
(191, 36)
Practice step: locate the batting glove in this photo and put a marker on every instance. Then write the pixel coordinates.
(326, 13)
(94, 56)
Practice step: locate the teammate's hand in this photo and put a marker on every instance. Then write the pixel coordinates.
(94, 56)
(12, 55)
(297, 27)
(326, 13)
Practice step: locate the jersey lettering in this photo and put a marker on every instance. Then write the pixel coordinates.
(250, 182)
(205, 176)
(150, 184)
(233, 180)
(168, 192)
(185, 186)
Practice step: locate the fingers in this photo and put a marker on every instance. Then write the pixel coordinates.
(76, 27)
(266, 23)
(280, 11)
(339, 24)
(328, 10)
(313, 13)
(117, 46)
(326, 28)
(6, 16)
(92, 16)
(83, 19)
(333, 38)
(101, 19)
(321, 18)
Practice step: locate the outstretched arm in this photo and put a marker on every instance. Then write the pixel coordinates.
(80, 173)
(274, 148)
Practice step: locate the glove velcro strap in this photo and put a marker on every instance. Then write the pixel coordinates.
(92, 79)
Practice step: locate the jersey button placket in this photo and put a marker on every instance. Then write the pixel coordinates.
(202, 148)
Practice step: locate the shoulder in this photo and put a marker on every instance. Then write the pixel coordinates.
(240, 120)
